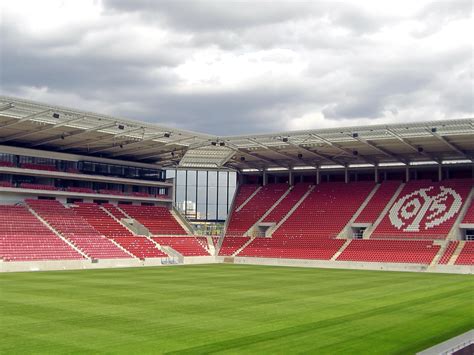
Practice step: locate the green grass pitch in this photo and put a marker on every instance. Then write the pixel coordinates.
(231, 309)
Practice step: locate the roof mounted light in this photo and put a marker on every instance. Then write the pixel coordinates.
(55, 115)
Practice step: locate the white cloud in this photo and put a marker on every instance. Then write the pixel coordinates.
(245, 66)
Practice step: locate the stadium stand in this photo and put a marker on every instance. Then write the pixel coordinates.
(390, 251)
(115, 211)
(242, 219)
(44, 167)
(448, 253)
(25, 185)
(101, 220)
(186, 246)
(25, 238)
(469, 216)
(231, 244)
(326, 211)
(157, 219)
(466, 256)
(141, 247)
(378, 202)
(285, 205)
(7, 164)
(413, 207)
(76, 229)
(296, 247)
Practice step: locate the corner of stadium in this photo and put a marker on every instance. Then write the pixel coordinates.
(341, 240)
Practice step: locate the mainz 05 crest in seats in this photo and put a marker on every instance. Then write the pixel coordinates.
(425, 208)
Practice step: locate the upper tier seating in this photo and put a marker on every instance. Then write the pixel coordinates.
(261, 202)
(6, 184)
(7, 164)
(295, 247)
(378, 202)
(326, 210)
(141, 247)
(84, 190)
(469, 216)
(243, 193)
(101, 220)
(111, 192)
(24, 238)
(76, 229)
(157, 219)
(390, 251)
(231, 244)
(38, 166)
(424, 218)
(466, 256)
(186, 246)
(285, 205)
(25, 185)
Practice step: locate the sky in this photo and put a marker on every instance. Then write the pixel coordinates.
(238, 67)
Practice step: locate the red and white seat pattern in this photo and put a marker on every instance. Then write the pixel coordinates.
(378, 202)
(76, 230)
(186, 246)
(466, 256)
(157, 219)
(241, 220)
(424, 209)
(24, 238)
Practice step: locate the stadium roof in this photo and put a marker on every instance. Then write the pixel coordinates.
(41, 126)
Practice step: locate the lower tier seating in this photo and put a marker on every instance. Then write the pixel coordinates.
(76, 229)
(231, 244)
(158, 219)
(24, 238)
(390, 251)
(140, 247)
(448, 253)
(298, 247)
(466, 256)
(186, 246)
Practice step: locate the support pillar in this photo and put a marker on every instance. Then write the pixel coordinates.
(318, 176)
(346, 175)
(407, 173)
(440, 172)
(291, 178)
(376, 174)
(265, 177)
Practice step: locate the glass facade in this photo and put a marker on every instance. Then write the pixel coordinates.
(203, 195)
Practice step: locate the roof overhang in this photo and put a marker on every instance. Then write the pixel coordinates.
(40, 126)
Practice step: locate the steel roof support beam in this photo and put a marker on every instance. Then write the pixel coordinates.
(106, 136)
(314, 154)
(114, 137)
(6, 106)
(412, 147)
(160, 145)
(286, 155)
(24, 119)
(449, 144)
(41, 130)
(344, 150)
(130, 143)
(73, 134)
(381, 150)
